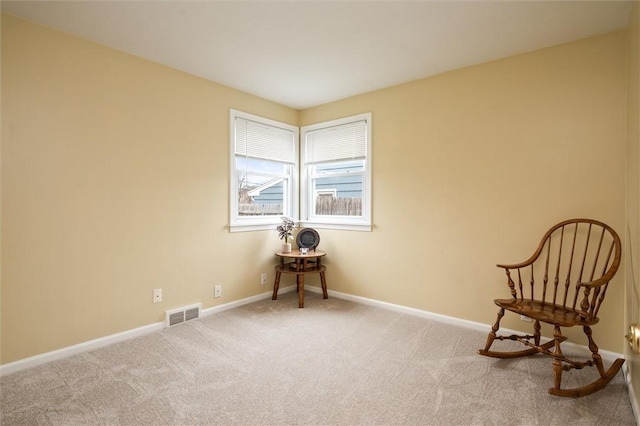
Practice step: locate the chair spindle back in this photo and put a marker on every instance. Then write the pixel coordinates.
(571, 267)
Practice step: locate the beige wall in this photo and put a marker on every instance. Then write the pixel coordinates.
(632, 241)
(471, 167)
(115, 182)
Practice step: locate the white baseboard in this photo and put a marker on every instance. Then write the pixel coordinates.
(245, 301)
(90, 345)
(607, 356)
(404, 309)
(94, 344)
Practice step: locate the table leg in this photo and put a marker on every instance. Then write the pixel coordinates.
(276, 285)
(298, 266)
(324, 285)
(300, 279)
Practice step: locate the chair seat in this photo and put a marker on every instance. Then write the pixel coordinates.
(545, 312)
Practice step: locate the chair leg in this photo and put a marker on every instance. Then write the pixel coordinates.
(558, 338)
(605, 376)
(491, 337)
(492, 334)
(512, 354)
(597, 359)
(536, 333)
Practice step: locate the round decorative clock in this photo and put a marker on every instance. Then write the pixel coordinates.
(308, 238)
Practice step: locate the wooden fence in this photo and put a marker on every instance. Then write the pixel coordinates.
(338, 206)
(330, 206)
(260, 209)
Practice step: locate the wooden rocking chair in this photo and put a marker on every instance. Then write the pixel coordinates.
(563, 284)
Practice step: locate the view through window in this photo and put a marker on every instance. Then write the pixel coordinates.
(335, 188)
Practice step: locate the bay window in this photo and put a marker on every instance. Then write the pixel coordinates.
(331, 172)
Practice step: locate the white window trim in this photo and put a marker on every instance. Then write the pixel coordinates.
(238, 224)
(342, 222)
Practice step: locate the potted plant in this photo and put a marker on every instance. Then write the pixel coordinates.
(285, 232)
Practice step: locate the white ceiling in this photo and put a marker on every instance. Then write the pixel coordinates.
(307, 53)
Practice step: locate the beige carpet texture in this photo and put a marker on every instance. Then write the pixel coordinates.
(335, 362)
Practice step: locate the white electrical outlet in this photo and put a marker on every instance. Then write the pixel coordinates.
(523, 318)
(157, 295)
(217, 291)
(263, 278)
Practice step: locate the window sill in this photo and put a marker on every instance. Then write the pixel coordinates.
(247, 228)
(339, 226)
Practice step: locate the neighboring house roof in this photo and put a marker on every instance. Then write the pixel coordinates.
(255, 192)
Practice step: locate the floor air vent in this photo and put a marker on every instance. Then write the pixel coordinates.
(180, 315)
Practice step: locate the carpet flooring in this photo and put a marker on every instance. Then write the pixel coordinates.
(335, 362)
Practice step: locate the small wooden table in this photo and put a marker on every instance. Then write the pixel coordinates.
(302, 264)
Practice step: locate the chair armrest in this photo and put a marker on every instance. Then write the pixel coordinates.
(599, 282)
(514, 266)
(527, 262)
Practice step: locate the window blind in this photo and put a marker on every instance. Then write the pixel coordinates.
(257, 140)
(342, 142)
